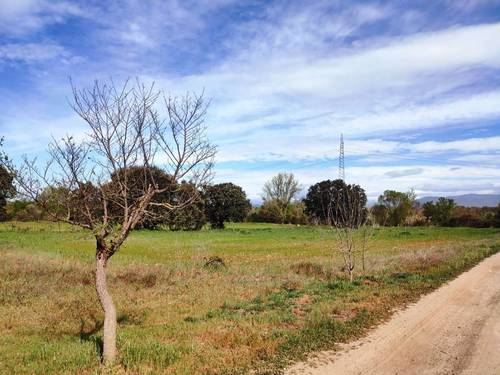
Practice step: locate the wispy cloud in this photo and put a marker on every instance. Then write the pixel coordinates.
(35, 52)
(404, 172)
(434, 180)
(406, 84)
(20, 17)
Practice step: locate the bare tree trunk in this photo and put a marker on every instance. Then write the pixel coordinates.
(109, 342)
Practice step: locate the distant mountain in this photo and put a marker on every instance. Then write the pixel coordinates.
(469, 200)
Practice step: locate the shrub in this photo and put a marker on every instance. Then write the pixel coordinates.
(269, 213)
(439, 213)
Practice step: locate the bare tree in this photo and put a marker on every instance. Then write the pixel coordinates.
(347, 216)
(91, 175)
(281, 190)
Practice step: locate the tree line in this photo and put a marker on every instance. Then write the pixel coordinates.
(217, 204)
(395, 208)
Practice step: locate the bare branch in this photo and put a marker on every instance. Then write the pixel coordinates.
(108, 181)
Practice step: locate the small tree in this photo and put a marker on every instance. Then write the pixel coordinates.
(439, 213)
(126, 132)
(398, 206)
(16, 209)
(280, 191)
(347, 216)
(225, 202)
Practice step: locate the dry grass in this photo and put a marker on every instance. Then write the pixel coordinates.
(276, 300)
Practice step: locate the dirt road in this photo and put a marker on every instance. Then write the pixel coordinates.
(454, 330)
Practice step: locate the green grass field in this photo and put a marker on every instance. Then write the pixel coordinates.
(281, 296)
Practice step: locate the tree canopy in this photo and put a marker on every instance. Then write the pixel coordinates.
(439, 213)
(225, 202)
(336, 203)
(7, 190)
(393, 207)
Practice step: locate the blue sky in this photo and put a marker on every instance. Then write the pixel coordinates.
(414, 86)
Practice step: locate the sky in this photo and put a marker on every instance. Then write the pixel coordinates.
(413, 86)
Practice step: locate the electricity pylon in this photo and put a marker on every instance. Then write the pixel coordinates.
(341, 159)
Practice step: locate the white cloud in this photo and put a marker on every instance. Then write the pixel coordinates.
(469, 5)
(19, 17)
(285, 87)
(435, 180)
(151, 26)
(359, 91)
(34, 52)
(27, 133)
(293, 29)
(287, 146)
(135, 34)
(404, 172)
(483, 144)
(383, 164)
(473, 108)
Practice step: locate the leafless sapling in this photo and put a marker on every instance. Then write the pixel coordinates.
(347, 216)
(132, 127)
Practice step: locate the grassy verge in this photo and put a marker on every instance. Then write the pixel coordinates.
(360, 305)
(278, 299)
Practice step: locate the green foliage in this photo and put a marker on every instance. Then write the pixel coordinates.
(336, 203)
(320, 197)
(439, 213)
(394, 207)
(189, 217)
(380, 214)
(138, 180)
(296, 214)
(24, 211)
(7, 190)
(225, 202)
(15, 209)
(60, 202)
(147, 352)
(269, 212)
(496, 218)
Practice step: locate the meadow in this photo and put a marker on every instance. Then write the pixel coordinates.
(279, 294)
